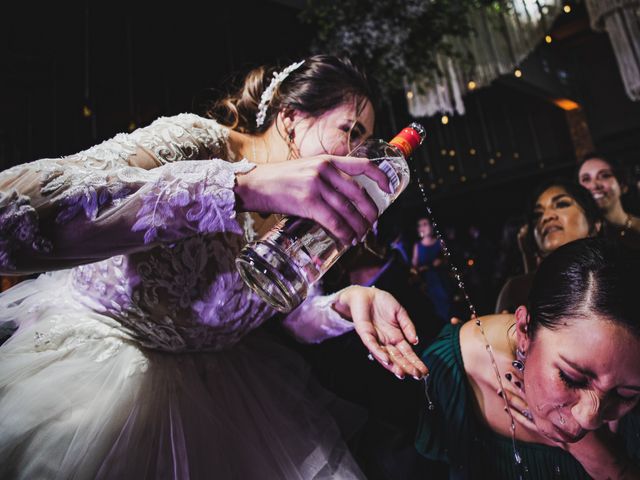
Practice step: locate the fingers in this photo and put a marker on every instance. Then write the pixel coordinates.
(407, 326)
(334, 223)
(407, 360)
(346, 210)
(353, 191)
(376, 350)
(361, 316)
(523, 420)
(363, 166)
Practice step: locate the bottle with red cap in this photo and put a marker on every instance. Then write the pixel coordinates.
(282, 266)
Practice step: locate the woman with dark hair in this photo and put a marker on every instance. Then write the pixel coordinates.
(144, 358)
(428, 261)
(609, 184)
(559, 212)
(569, 364)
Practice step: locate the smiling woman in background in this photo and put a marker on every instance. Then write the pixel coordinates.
(608, 185)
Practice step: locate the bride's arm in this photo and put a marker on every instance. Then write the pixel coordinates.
(124, 195)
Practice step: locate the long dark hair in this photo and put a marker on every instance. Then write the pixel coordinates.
(591, 276)
(322, 83)
(581, 196)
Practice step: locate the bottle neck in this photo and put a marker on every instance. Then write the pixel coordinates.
(407, 141)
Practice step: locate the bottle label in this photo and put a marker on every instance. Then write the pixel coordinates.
(407, 141)
(389, 171)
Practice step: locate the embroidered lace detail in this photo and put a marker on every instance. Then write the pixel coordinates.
(192, 197)
(184, 294)
(183, 297)
(96, 179)
(19, 228)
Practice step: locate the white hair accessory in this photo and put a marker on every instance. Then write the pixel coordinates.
(267, 95)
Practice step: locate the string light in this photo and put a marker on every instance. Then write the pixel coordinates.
(444, 119)
(427, 169)
(433, 186)
(498, 154)
(409, 94)
(484, 175)
(441, 181)
(548, 39)
(86, 111)
(492, 161)
(472, 85)
(452, 153)
(518, 73)
(452, 168)
(516, 155)
(463, 178)
(132, 126)
(472, 151)
(567, 9)
(443, 152)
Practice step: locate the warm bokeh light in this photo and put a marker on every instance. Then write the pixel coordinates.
(566, 104)
(444, 119)
(548, 39)
(567, 9)
(409, 94)
(472, 85)
(517, 73)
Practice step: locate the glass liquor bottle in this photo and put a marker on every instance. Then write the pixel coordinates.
(283, 265)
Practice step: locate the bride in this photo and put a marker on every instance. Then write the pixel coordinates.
(140, 356)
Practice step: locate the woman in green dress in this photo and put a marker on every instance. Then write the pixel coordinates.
(570, 369)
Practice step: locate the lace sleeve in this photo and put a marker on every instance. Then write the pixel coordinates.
(315, 320)
(121, 196)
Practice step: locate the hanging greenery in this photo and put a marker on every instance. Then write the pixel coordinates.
(396, 40)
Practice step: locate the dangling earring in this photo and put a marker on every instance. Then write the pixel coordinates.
(293, 149)
(518, 363)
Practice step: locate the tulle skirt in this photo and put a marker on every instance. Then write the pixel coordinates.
(80, 399)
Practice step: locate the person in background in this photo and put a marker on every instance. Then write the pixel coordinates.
(559, 212)
(428, 260)
(609, 185)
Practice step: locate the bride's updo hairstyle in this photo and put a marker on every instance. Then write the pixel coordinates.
(320, 84)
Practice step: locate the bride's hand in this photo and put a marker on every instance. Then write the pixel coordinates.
(320, 188)
(384, 327)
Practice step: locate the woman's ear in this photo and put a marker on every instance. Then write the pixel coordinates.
(523, 338)
(288, 118)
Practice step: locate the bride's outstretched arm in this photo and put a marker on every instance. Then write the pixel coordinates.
(124, 195)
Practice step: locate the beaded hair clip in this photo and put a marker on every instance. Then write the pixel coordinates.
(267, 95)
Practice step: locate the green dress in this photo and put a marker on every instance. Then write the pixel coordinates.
(453, 433)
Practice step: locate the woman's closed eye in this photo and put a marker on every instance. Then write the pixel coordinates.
(572, 383)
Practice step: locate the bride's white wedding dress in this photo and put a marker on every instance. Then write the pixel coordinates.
(140, 356)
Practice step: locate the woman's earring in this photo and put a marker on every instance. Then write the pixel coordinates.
(518, 363)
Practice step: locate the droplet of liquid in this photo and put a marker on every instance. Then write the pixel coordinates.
(430, 406)
(474, 316)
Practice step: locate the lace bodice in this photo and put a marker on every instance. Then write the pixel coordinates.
(147, 220)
